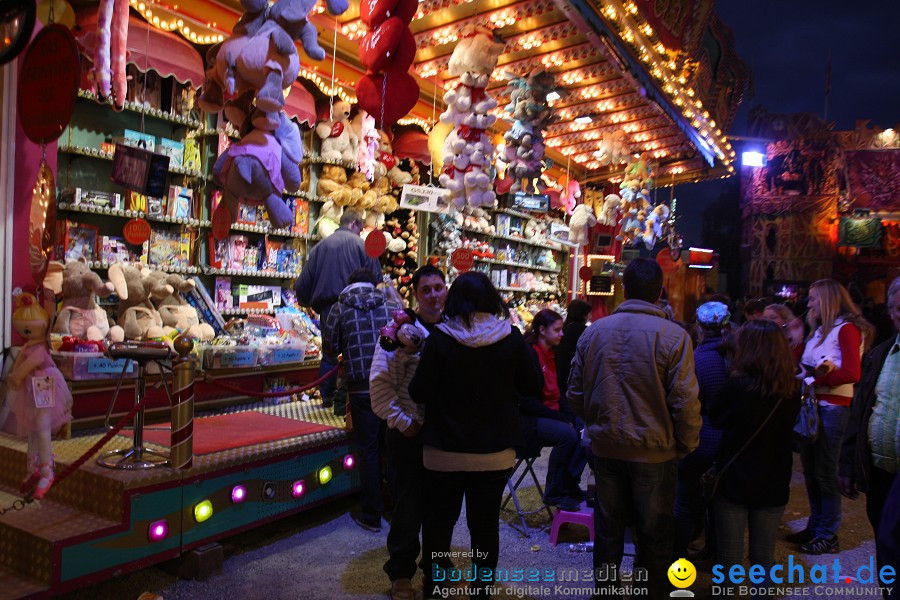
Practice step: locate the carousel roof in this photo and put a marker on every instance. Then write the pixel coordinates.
(664, 73)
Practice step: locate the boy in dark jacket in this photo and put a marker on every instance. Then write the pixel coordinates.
(352, 329)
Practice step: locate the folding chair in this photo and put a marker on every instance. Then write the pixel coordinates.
(525, 466)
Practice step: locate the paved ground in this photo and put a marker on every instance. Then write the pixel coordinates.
(323, 555)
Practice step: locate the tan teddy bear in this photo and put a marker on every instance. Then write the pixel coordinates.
(332, 186)
(357, 185)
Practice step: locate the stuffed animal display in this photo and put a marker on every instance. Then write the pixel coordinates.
(387, 91)
(137, 318)
(254, 65)
(580, 223)
(339, 140)
(108, 73)
(467, 152)
(80, 316)
(636, 207)
(530, 114)
(399, 261)
(613, 149)
(177, 315)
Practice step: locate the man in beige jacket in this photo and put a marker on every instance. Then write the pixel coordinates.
(632, 381)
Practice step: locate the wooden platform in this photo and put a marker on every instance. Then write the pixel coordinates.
(96, 522)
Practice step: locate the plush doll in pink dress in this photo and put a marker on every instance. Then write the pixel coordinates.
(38, 395)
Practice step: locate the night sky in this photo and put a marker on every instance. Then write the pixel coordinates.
(787, 45)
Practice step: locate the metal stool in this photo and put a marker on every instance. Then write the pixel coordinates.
(136, 457)
(525, 459)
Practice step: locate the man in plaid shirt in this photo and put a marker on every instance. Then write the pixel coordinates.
(352, 329)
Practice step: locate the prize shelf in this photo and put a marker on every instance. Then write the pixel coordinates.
(246, 228)
(147, 112)
(525, 291)
(507, 263)
(544, 245)
(101, 155)
(102, 264)
(234, 312)
(251, 273)
(130, 214)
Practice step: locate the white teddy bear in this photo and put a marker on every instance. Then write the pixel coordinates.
(339, 141)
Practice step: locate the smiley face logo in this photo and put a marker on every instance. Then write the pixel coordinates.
(682, 573)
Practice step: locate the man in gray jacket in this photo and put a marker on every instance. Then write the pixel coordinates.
(632, 381)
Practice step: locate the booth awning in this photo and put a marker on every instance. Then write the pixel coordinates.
(149, 48)
(300, 104)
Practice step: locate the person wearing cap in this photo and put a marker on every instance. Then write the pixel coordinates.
(691, 514)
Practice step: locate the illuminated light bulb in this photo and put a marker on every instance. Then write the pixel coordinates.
(203, 511)
(238, 494)
(324, 475)
(158, 530)
(142, 7)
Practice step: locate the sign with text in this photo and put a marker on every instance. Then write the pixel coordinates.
(424, 197)
(462, 259)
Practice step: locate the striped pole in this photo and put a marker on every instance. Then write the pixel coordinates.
(181, 455)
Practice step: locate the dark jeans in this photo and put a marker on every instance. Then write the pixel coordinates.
(444, 492)
(879, 486)
(731, 522)
(820, 469)
(405, 458)
(692, 515)
(646, 492)
(327, 387)
(368, 430)
(567, 458)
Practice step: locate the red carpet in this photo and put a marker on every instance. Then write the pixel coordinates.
(224, 432)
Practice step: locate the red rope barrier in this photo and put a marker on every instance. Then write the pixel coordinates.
(124, 420)
(290, 392)
(93, 449)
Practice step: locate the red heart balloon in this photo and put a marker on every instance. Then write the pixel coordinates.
(375, 12)
(377, 48)
(401, 88)
(404, 54)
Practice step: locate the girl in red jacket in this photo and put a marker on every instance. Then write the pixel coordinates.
(831, 362)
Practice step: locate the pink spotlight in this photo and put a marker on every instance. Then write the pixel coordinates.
(349, 462)
(158, 530)
(298, 488)
(238, 494)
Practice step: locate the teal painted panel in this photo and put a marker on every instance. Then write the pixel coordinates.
(176, 506)
(96, 555)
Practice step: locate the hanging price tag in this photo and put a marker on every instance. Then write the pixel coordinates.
(43, 392)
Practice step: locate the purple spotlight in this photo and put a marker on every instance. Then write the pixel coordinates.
(349, 462)
(298, 488)
(238, 494)
(158, 530)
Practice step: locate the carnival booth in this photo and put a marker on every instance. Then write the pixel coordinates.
(164, 197)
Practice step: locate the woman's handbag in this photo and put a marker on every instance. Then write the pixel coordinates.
(709, 481)
(806, 429)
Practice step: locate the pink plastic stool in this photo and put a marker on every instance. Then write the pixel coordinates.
(584, 516)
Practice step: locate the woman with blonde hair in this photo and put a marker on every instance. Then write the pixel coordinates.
(831, 363)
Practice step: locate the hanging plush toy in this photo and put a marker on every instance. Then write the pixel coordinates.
(108, 73)
(524, 141)
(387, 91)
(38, 395)
(468, 150)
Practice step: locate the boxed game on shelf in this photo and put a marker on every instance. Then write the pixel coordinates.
(77, 240)
(180, 202)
